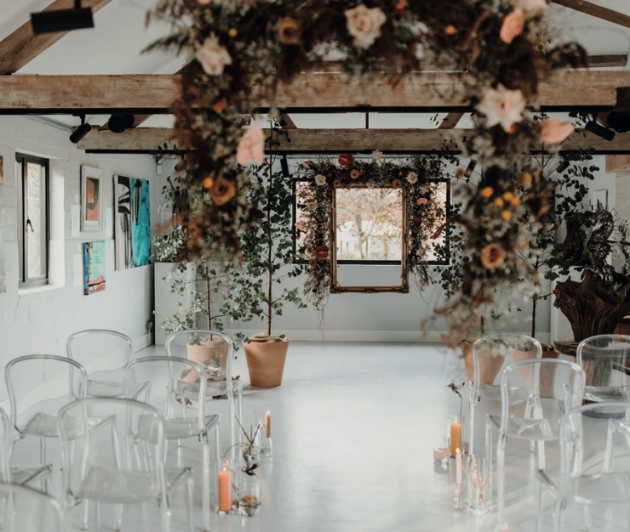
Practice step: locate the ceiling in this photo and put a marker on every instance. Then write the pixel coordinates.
(115, 46)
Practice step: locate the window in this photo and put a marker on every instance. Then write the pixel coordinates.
(33, 220)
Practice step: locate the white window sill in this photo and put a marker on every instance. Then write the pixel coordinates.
(38, 289)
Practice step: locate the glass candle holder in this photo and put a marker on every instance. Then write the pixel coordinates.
(455, 434)
(441, 451)
(249, 495)
(479, 484)
(225, 487)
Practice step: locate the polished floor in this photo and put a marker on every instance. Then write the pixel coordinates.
(354, 427)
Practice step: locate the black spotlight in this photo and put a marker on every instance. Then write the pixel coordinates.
(284, 164)
(79, 133)
(62, 19)
(619, 121)
(120, 122)
(469, 169)
(562, 166)
(600, 131)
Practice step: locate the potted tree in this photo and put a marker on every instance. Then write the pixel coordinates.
(268, 259)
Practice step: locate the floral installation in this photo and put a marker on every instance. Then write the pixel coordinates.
(420, 177)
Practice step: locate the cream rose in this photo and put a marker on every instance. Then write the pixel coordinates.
(320, 180)
(365, 25)
(412, 177)
(377, 155)
(502, 106)
(213, 57)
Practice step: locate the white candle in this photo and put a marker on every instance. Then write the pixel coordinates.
(458, 468)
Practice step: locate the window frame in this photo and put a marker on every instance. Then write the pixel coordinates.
(22, 161)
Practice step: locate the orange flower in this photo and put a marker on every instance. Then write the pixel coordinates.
(515, 202)
(513, 25)
(232, 32)
(220, 106)
(207, 183)
(450, 30)
(397, 183)
(526, 178)
(289, 31)
(506, 215)
(492, 256)
(487, 192)
(354, 174)
(555, 131)
(222, 191)
(508, 196)
(499, 202)
(401, 6)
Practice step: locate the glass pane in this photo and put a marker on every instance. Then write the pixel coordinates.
(369, 224)
(35, 223)
(438, 237)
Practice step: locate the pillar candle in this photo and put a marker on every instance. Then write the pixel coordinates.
(268, 424)
(225, 491)
(456, 436)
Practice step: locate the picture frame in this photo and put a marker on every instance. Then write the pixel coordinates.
(91, 199)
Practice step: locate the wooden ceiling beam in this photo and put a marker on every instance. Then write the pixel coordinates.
(596, 11)
(154, 93)
(342, 140)
(450, 120)
(611, 60)
(22, 46)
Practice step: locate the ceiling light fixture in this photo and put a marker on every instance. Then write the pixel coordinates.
(619, 121)
(62, 19)
(599, 130)
(284, 164)
(79, 133)
(118, 123)
(470, 168)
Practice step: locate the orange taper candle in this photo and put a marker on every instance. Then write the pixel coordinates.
(456, 436)
(268, 420)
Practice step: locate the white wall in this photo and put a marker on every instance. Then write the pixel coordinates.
(40, 320)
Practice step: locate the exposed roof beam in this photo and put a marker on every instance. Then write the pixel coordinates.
(450, 120)
(341, 140)
(22, 46)
(596, 11)
(287, 122)
(597, 61)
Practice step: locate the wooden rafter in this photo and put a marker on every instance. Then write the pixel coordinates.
(612, 60)
(450, 120)
(154, 93)
(22, 46)
(596, 11)
(341, 140)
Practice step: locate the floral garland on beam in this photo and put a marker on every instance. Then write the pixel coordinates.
(419, 177)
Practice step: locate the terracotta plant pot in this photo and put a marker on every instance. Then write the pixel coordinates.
(265, 359)
(209, 352)
(489, 366)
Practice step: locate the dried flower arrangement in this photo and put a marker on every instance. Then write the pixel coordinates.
(245, 49)
(420, 177)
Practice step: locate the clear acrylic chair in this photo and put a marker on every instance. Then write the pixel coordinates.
(39, 385)
(124, 465)
(23, 509)
(104, 354)
(535, 394)
(594, 469)
(605, 360)
(490, 355)
(176, 392)
(218, 362)
(22, 475)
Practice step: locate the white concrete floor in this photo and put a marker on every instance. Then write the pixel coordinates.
(354, 426)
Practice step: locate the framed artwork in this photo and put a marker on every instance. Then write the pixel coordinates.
(3, 268)
(91, 199)
(132, 222)
(93, 267)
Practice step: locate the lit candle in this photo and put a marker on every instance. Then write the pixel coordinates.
(458, 468)
(225, 487)
(268, 424)
(456, 436)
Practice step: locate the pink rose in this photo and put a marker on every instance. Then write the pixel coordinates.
(422, 201)
(204, 2)
(251, 146)
(365, 25)
(301, 225)
(213, 57)
(555, 131)
(513, 25)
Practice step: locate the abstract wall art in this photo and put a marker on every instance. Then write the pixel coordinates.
(91, 203)
(93, 267)
(133, 222)
(3, 268)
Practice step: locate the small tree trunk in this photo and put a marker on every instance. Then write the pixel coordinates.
(208, 302)
(591, 307)
(269, 259)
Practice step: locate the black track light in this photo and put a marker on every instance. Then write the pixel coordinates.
(562, 166)
(62, 19)
(600, 131)
(619, 121)
(470, 168)
(118, 123)
(79, 133)
(284, 164)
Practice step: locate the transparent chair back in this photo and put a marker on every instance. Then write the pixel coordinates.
(5, 447)
(120, 463)
(605, 360)
(491, 354)
(103, 354)
(23, 509)
(39, 385)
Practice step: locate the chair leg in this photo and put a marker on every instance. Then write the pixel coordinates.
(86, 515)
(489, 459)
(232, 427)
(472, 403)
(501, 481)
(42, 458)
(118, 515)
(205, 484)
(189, 503)
(98, 517)
(166, 515)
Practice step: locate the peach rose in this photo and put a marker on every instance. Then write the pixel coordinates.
(213, 57)
(513, 25)
(222, 191)
(289, 31)
(502, 106)
(422, 201)
(301, 225)
(365, 25)
(555, 131)
(251, 146)
(492, 256)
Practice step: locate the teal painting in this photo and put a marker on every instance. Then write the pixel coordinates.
(93, 267)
